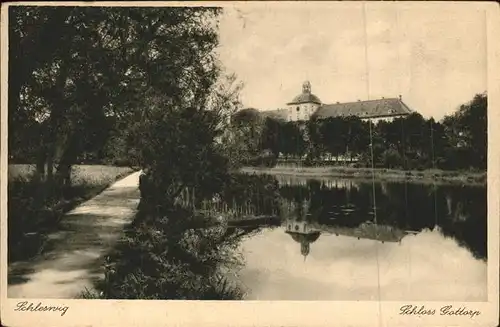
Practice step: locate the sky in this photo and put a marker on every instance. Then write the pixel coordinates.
(433, 55)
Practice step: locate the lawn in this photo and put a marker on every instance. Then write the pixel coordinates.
(92, 174)
(35, 208)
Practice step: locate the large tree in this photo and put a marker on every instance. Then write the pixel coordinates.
(316, 147)
(356, 135)
(270, 135)
(333, 131)
(467, 130)
(71, 67)
(291, 140)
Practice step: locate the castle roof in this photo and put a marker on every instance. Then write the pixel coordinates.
(364, 109)
(249, 113)
(279, 114)
(305, 98)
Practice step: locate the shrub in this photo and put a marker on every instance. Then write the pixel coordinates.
(169, 252)
(178, 256)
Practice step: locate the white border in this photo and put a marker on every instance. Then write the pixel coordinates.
(258, 313)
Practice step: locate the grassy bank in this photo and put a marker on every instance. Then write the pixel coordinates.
(88, 174)
(424, 176)
(35, 208)
(179, 256)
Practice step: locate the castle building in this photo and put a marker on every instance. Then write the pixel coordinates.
(306, 104)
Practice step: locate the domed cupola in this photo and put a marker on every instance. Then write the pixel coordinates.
(304, 104)
(306, 96)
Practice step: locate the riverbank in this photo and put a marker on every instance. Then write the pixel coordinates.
(380, 174)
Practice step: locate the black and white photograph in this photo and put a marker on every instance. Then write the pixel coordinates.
(292, 151)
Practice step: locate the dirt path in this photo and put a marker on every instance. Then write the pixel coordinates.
(78, 249)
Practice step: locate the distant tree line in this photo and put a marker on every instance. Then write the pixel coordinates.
(458, 141)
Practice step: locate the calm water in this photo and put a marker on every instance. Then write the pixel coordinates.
(422, 242)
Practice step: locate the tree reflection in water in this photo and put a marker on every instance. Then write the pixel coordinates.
(345, 207)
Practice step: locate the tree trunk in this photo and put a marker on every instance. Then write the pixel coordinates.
(50, 165)
(68, 158)
(40, 164)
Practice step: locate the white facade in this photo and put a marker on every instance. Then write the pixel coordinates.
(378, 119)
(302, 111)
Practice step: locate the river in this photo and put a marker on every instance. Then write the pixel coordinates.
(350, 240)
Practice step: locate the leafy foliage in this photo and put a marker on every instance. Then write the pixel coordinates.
(139, 87)
(80, 74)
(459, 141)
(467, 131)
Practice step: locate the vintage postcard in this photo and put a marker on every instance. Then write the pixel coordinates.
(250, 163)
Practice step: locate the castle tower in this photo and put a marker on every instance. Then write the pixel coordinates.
(303, 105)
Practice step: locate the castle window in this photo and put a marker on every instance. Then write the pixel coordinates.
(298, 109)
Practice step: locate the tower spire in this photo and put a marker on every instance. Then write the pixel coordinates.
(306, 87)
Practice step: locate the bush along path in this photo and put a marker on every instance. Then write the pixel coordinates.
(76, 252)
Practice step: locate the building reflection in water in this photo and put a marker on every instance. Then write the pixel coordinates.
(304, 228)
(301, 232)
(346, 207)
(334, 226)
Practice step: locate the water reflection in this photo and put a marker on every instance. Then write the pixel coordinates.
(338, 241)
(397, 209)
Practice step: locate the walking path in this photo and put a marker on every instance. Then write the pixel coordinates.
(86, 235)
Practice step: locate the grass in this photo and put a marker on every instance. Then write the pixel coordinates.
(423, 176)
(89, 174)
(35, 208)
